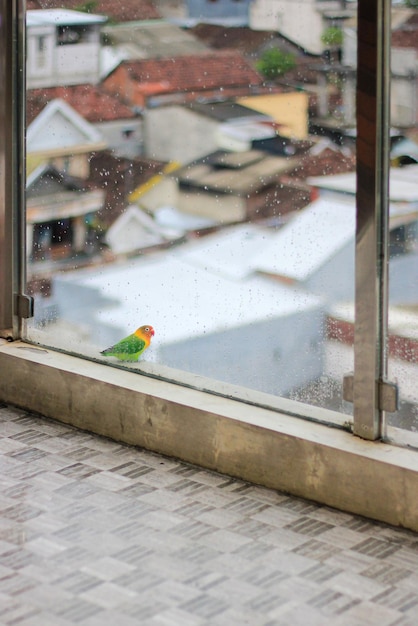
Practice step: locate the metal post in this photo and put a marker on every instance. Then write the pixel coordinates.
(14, 305)
(369, 389)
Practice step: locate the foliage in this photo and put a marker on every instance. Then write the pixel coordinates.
(274, 62)
(87, 7)
(332, 37)
(411, 4)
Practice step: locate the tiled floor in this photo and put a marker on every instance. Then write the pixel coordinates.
(100, 534)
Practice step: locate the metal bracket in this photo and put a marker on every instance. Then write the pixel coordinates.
(387, 396)
(348, 387)
(24, 305)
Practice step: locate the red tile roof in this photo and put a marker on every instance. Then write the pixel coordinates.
(252, 43)
(240, 38)
(91, 102)
(195, 73)
(406, 36)
(324, 164)
(119, 176)
(124, 11)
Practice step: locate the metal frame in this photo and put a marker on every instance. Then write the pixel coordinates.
(14, 304)
(368, 389)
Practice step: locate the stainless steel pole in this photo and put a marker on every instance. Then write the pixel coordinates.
(373, 135)
(14, 305)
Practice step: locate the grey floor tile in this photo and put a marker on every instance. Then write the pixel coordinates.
(95, 533)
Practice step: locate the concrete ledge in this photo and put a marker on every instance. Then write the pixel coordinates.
(262, 446)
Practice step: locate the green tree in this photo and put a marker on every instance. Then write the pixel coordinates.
(87, 7)
(274, 63)
(332, 37)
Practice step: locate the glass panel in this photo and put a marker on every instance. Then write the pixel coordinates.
(203, 192)
(403, 276)
(403, 268)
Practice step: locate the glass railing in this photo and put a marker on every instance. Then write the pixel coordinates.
(218, 206)
(203, 221)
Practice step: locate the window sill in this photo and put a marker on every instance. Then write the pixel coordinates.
(259, 445)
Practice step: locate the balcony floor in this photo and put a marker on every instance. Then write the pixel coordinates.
(96, 533)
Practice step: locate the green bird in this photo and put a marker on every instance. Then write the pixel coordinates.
(131, 347)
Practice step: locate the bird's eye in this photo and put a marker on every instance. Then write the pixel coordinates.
(147, 329)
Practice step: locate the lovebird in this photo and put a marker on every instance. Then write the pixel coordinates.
(131, 348)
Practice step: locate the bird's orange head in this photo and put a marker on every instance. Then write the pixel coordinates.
(145, 332)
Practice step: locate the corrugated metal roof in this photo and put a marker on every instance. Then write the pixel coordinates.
(227, 111)
(237, 180)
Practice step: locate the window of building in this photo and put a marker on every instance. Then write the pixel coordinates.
(73, 34)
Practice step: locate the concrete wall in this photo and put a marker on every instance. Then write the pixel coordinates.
(175, 133)
(163, 193)
(122, 143)
(287, 109)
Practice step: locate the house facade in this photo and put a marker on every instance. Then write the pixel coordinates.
(224, 186)
(166, 127)
(61, 208)
(59, 216)
(301, 21)
(63, 47)
(118, 124)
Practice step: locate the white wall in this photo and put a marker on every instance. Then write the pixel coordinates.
(175, 133)
(122, 144)
(299, 20)
(70, 64)
(40, 51)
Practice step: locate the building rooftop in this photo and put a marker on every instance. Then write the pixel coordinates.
(152, 39)
(242, 38)
(62, 17)
(227, 111)
(128, 10)
(195, 73)
(90, 101)
(308, 240)
(241, 173)
(403, 183)
(183, 298)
